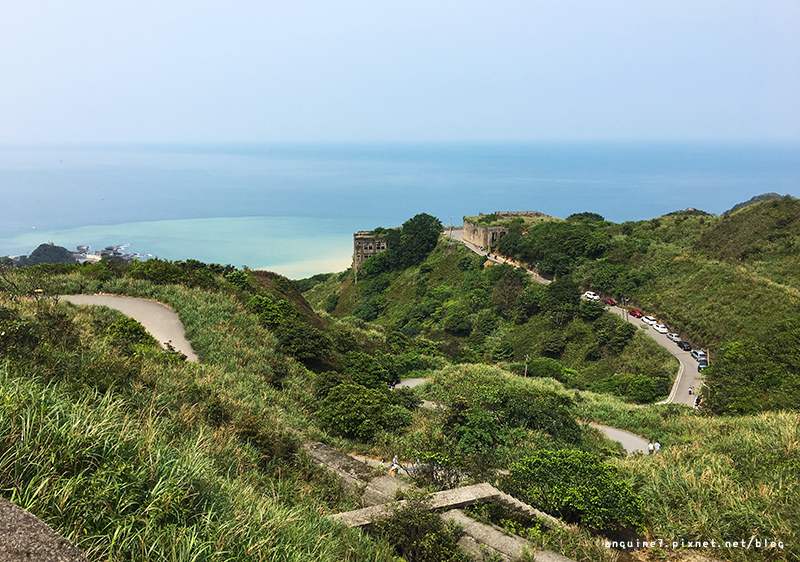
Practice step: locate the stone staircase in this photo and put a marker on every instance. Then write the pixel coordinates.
(377, 492)
(449, 499)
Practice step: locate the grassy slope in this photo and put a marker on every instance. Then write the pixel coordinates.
(175, 461)
(723, 278)
(442, 285)
(725, 478)
(722, 478)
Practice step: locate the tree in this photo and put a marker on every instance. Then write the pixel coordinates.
(302, 341)
(271, 313)
(365, 370)
(561, 301)
(420, 235)
(353, 410)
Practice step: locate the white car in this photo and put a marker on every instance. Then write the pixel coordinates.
(674, 337)
(660, 328)
(649, 320)
(591, 296)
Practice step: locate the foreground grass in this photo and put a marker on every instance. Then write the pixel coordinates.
(136, 457)
(722, 478)
(126, 488)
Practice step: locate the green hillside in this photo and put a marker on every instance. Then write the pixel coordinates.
(718, 281)
(135, 454)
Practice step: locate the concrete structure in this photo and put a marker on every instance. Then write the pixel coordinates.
(378, 490)
(365, 245)
(486, 236)
(481, 235)
(455, 498)
(23, 538)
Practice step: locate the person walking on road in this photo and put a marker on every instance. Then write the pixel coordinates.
(650, 448)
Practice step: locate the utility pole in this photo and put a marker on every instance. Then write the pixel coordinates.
(527, 357)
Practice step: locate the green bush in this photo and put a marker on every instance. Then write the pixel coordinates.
(353, 410)
(419, 535)
(127, 332)
(271, 313)
(578, 488)
(302, 341)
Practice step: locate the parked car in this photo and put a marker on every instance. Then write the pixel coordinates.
(591, 296)
(699, 355)
(649, 320)
(702, 365)
(660, 328)
(684, 346)
(636, 313)
(673, 337)
(609, 302)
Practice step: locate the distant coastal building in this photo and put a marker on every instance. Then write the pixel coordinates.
(485, 230)
(365, 245)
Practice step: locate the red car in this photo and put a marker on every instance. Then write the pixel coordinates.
(636, 313)
(609, 302)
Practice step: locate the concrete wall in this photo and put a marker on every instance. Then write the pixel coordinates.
(366, 245)
(480, 235)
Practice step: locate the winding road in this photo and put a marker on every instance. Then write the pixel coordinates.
(165, 325)
(688, 376)
(161, 321)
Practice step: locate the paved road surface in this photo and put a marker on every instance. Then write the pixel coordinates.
(457, 235)
(161, 321)
(688, 376)
(630, 441)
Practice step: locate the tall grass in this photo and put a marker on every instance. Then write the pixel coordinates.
(164, 461)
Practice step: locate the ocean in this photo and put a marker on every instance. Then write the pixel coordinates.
(292, 208)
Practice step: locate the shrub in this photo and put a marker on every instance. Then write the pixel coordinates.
(420, 535)
(578, 488)
(127, 332)
(271, 313)
(545, 367)
(302, 341)
(353, 410)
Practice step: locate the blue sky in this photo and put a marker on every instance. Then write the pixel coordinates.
(333, 70)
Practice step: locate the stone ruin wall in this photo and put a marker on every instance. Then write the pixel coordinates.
(366, 245)
(482, 236)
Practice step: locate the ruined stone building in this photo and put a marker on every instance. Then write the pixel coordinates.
(365, 245)
(486, 236)
(481, 235)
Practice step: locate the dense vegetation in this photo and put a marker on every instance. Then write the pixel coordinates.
(135, 454)
(472, 313)
(729, 284)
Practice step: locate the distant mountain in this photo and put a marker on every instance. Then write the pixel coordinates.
(756, 199)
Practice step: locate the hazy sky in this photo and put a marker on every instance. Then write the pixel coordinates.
(419, 70)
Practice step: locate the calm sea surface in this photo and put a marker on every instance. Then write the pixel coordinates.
(293, 208)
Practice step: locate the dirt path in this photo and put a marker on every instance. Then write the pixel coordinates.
(161, 321)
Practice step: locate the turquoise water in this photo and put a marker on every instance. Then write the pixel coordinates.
(295, 247)
(293, 208)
